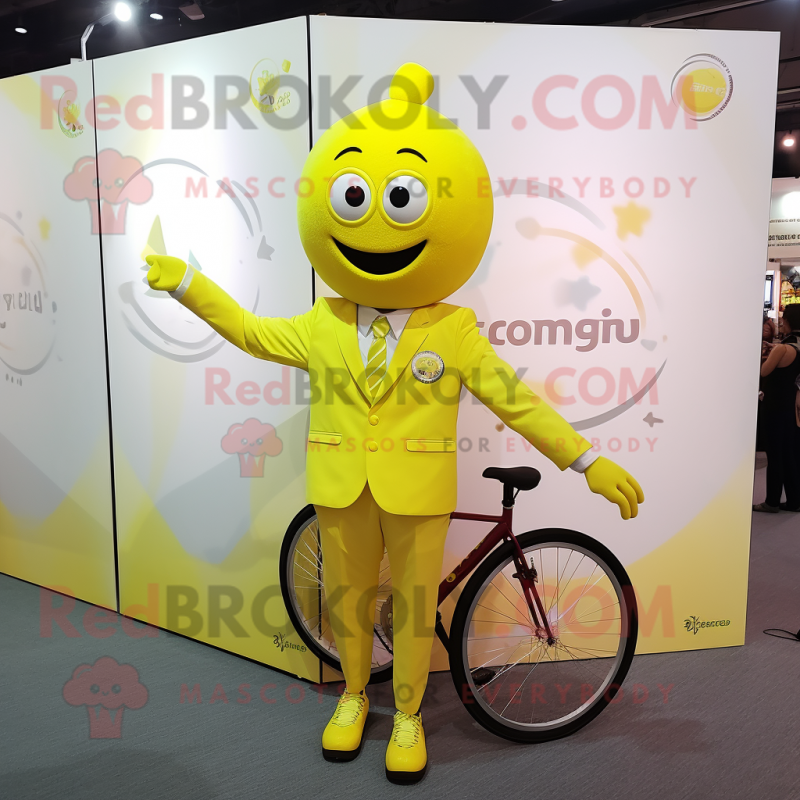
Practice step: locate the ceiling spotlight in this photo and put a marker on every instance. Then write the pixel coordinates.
(788, 140)
(122, 11)
(21, 30)
(156, 16)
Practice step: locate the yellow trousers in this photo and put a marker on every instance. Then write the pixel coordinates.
(353, 540)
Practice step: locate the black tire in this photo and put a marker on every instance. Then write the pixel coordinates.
(304, 519)
(467, 678)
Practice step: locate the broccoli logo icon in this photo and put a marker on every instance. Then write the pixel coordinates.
(252, 441)
(106, 688)
(108, 184)
(68, 113)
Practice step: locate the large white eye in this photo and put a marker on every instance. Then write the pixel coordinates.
(405, 199)
(350, 196)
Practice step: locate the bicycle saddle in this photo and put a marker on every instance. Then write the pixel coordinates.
(522, 478)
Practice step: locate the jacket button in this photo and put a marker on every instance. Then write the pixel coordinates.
(373, 420)
(373, 447)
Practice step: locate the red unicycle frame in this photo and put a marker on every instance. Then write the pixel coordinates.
(525, 574)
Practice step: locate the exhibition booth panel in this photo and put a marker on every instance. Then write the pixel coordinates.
(626, 164)
(206, 141)
(56, 524)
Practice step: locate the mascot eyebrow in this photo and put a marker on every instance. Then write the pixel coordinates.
(413, 152)
(349, 150)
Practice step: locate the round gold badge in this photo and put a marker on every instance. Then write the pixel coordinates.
(427, 366)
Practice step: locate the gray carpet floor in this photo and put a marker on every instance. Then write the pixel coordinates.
(729, 728)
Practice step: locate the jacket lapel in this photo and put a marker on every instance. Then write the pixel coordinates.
(347, 335)
(414, 334)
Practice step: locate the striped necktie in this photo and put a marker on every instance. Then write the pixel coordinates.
(376, 358)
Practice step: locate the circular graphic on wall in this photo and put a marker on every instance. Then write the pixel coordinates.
(703, 86)
(27, 311)
(265, 83)
(191, 203)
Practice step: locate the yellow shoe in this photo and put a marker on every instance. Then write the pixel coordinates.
(341, 739)
(406, 757)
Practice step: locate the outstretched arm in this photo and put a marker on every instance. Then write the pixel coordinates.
(285, 341)
(496, 385)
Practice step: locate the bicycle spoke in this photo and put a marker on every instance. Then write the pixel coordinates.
(313, 561)
(524, 600)
(495, 622)
(493, 650)
(303, 569)
(590, 650)
(497, 611)
(516, 591)
(530, 672)
(587, 665)
(385, 582)
(581, 662)
(604, 619)
(577, 566)
(313, 554)
(595, 610)
(558, 582)
(493, 658)
(584, 590)
(502, 594)
(508, 667)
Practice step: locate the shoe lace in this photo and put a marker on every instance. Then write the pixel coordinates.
(406, 729)
(348, 709)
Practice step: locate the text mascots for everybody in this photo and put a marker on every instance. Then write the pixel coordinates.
(399, 220)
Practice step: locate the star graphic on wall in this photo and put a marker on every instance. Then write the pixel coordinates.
(44, 229)
(264, 250)
(631, 219)
(575, 293)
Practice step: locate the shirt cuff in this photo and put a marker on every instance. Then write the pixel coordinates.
(184, 284)
(584, 461)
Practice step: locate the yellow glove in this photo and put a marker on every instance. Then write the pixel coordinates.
(616, 485)
(165, 273)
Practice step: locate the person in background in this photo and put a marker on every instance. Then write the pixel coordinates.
(790, 324)
(768, 331)
(779, 429)
(767, 337)
(784, 327)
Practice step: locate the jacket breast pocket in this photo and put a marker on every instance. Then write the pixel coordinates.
(431, 445)
(319, 437)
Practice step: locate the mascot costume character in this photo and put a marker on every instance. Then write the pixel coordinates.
(398, 222)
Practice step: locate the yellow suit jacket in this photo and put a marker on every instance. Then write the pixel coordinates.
(404, 440)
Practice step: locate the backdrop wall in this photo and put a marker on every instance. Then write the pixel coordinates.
(55, 486)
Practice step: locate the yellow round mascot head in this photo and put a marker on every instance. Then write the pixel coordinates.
(395, 204)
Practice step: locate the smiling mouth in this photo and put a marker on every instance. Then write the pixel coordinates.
(380, 263)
